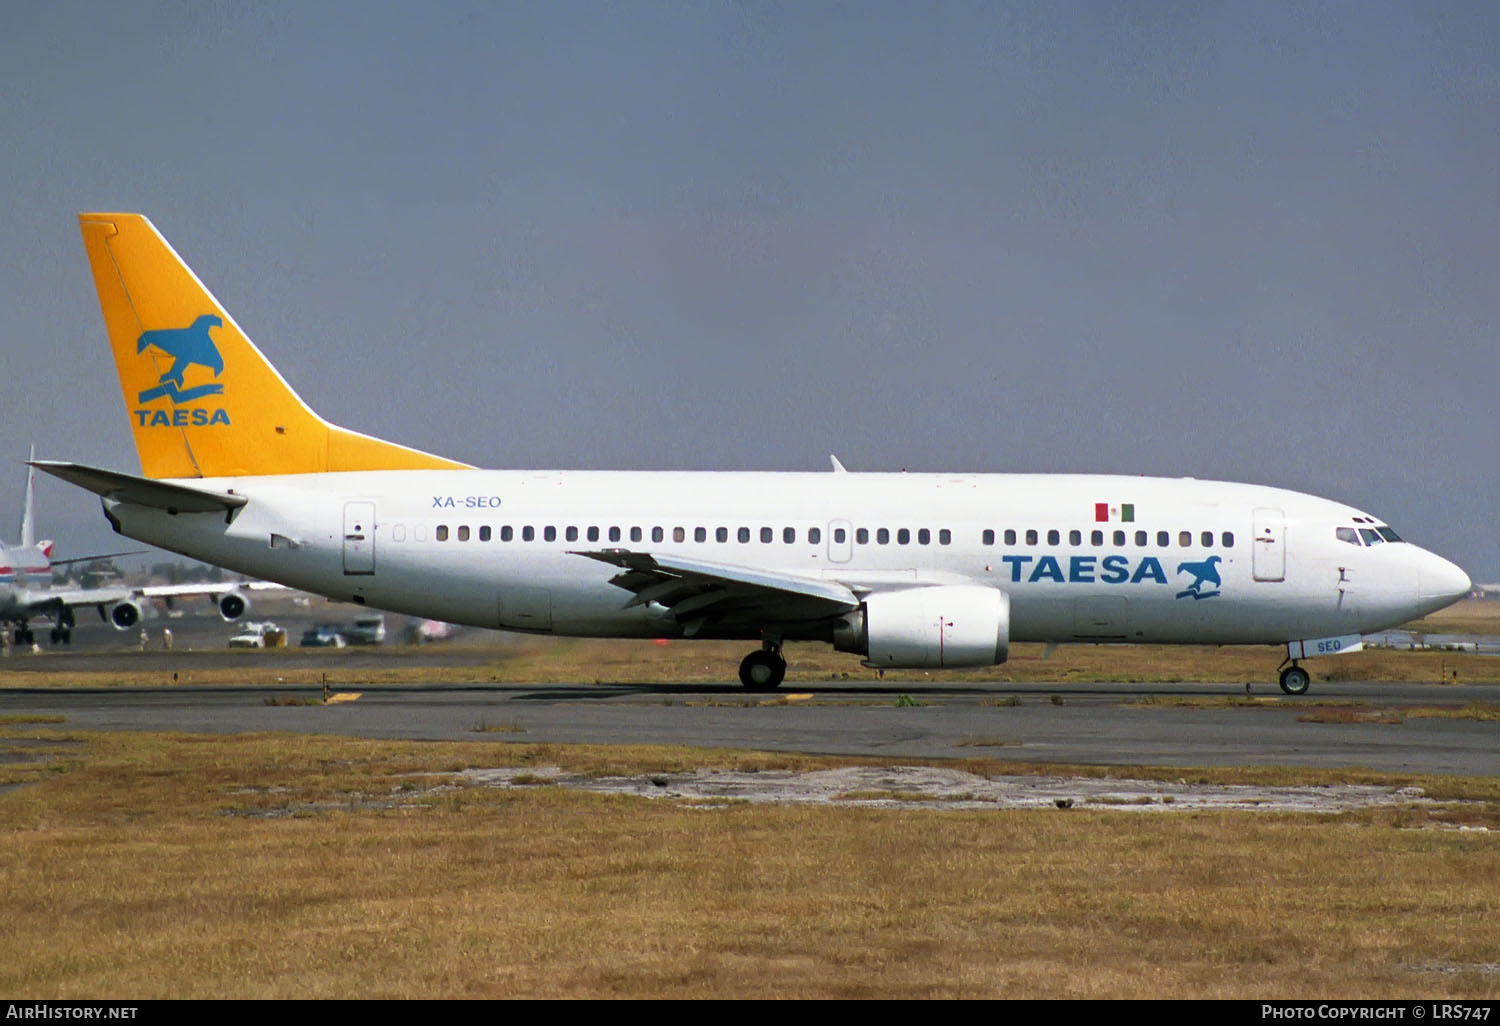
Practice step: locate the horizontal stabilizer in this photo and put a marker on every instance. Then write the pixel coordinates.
(141, 491)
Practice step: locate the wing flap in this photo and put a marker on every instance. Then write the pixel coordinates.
(698, 591)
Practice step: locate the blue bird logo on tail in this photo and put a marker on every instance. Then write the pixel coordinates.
(1205, 572)
(187, 346)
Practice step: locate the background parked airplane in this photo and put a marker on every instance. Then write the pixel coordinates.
(27, 591)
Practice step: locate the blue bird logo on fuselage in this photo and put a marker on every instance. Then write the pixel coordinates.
(1204, 572)
(187, 346)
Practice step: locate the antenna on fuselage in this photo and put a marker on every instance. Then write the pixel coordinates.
(838, 468)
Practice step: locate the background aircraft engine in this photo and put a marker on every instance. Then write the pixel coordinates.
(124, 615)
(922, 628)
(232, 605)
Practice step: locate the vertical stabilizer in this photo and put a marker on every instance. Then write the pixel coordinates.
(202, 399)
(28, 512)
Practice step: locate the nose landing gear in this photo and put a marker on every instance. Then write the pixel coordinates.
(1294, 680)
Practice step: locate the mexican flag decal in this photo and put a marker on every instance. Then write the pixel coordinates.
(1123, 512)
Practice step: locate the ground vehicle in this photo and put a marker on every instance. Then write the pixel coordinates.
(366, 630)
(324, 635)
(262, 634)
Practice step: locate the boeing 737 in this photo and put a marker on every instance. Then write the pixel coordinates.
(905, 570)
(27, 592)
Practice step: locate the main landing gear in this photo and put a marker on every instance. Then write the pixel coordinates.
(763, 670)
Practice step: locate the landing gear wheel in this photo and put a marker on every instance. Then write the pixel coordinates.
(1294, 680)
(762, 671)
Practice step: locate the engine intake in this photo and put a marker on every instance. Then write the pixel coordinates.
(124, 615)
(929, 628)
(232, 605)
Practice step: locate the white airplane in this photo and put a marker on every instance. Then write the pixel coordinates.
(906, 570)
(27, 592)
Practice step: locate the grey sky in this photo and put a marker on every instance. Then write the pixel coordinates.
(1247, 241)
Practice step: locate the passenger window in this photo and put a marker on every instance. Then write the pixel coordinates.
(506, 533)
(614, 534)
(788, 535)
(1140, 539)
(1053, 537)
(945, 537)
(903, 537)
(441, 534)
(766, 534)
(463, 532)
(1030, 537)
(1185, 538)
(528, 533)
(635, 534)
(1010, 537)
(1163, 539)
(570, 534)
(399, 532)
(1207, 538)
(1075, 537)
(814, 535)
(862, 535)
(839, 534)
(743, 535)
(883, 536)
(700, 534)
(988, 537)
(924, 537)
(484, 533)
(549, 533)
(593, 534)
(721, 534)
(1228, 539)
(1096, 538)
(1119, 538)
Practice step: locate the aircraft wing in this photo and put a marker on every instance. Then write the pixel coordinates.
(698, 593)
(171, 591)
(52, 598)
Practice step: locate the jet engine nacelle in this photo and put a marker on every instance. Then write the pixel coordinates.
(124, 615)
(928, 628)
(232, 605)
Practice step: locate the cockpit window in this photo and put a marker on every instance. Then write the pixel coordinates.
(1370, 537)
(1388, 534)
(1348, 534)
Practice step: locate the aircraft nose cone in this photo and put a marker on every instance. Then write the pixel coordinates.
(1442, 580)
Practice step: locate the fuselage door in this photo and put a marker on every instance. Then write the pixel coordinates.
(840, 541)
(359, 538)
(1268, 545)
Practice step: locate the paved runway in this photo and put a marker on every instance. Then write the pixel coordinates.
(1126, 724)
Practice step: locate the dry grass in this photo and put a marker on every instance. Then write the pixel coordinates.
(169, 866)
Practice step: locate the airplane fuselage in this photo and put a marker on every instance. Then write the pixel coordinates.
(1081, 558)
